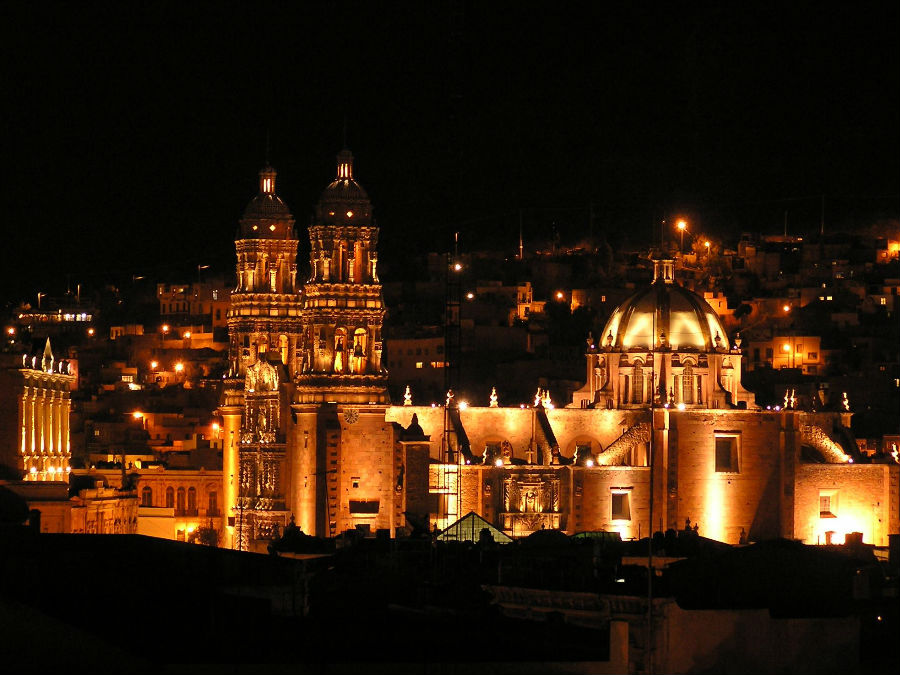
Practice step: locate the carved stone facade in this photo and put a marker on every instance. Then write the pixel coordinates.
(661, 433)
(264, 335)
(35, 439)
(343, 308)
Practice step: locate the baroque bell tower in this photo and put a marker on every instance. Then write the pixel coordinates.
(343, 308)
(264, 315)
(264, 332)
(344, 473)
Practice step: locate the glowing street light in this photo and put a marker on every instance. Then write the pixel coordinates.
(179, 367)
(154, 365)
(682, 226)
(457, 267)
(706, 244)
(560, 295)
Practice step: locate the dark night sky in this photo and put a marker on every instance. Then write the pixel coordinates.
(132, 137)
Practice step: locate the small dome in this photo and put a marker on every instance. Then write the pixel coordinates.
(266, 209)
(344, 199)
(679, 318)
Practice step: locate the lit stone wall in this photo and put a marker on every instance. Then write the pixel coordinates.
(860, 498)
(485, 425)
(724, 502)
(309, 464)
(769, 492)
(366, 471)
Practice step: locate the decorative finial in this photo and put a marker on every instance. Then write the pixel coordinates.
(737, 341)
(545, 400)
(787, 399)
(718, 340)
(845, 401)
(407, 397)
(449, 397)
(793, 398)
(609, 339)
(537, 398)
(494, 403)
(47, 361)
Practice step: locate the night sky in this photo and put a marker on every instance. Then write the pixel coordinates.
(133, 135)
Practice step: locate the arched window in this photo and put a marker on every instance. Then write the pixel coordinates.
(170, 498)
(358, 357)
(283, 348)
(192, 500)
(687, 383)
(340, 350)
(179, 503)
(147, 496)
(212, 508)
(637, 382)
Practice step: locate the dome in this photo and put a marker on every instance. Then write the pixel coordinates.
(679, 318)
(266, 209)
(344, 199)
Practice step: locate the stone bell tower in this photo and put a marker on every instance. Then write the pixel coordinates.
(343, 308)
(264, 332)
(343, 466)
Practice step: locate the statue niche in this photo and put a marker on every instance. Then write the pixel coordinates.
(261, 377)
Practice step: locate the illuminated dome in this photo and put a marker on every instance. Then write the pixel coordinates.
(266, 215)
(680, 319)
(344, 200)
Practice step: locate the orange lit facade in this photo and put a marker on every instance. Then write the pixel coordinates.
(264, 328)
(803, 352)
(661, 433)
(34, 431)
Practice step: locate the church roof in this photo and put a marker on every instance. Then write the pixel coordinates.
(676, 316)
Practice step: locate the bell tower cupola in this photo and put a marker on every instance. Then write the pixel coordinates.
(343, 308)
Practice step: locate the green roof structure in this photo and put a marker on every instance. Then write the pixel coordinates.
(469, 527)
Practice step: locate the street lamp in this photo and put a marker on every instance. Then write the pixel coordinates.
(201, 267)
(39, 296)
(682, 226)
(706, 244)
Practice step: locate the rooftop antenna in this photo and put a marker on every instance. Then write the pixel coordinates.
(822, 220)
(345, 132)
(267, 147)
(521, 243)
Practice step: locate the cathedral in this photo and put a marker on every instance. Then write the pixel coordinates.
(661, 434)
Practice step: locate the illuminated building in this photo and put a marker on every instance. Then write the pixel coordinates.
(34, 438)
(661, 433)
(264, 332)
